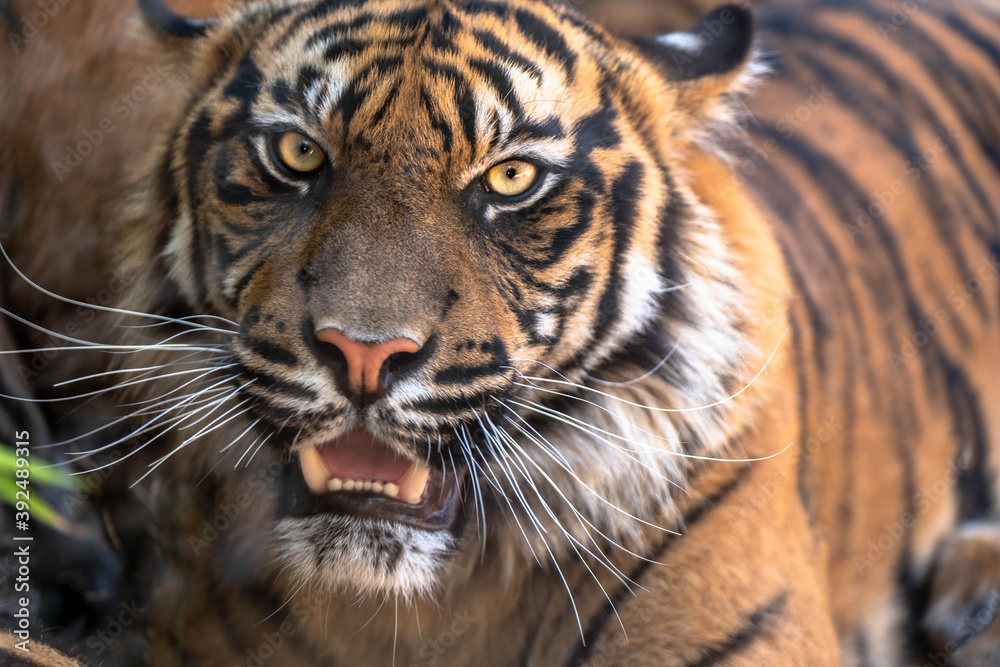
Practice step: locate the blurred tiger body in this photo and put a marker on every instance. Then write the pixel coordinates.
(788, 344)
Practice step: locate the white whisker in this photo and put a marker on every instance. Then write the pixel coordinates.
(120, 311)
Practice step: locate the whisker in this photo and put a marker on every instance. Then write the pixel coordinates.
(159, 462)
(499, 488)
(642, 377)
(625, 401)
(182, 401)
(573, 542)
(84, 344)
(594, 430)
(264, 442)
(584, 427)
(96, 306)
(121, 349)
(541, 530)
(178, 362)
(547, 450)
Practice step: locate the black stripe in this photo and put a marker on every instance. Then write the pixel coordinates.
(437, 122)
(801, 365)
(546, 38)
(445, 405)
(496, 77)
(275, 186)
(199, 140)
(354, 97)
(599, 620)
(466, 103)
(307, 78)
(499, 358)
(245, 85)
(465, 374)
(851, 197)
(269, 351)
(959, 24)
(525, 130)
(498, 9)
(264, 382)
(862, 651)
(757, 625)
(901, 90)
(238, 194)
(975, 481)
(322, 8)
(7, 13)
(247, 277)
(890, 119)
(490, 42)
(384, 107)
(625, 206)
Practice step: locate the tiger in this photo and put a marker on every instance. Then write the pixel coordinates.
(471, 332)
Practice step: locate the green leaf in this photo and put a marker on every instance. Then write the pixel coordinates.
(38, 508)
(42, 474)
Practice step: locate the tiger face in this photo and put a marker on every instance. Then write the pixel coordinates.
(428, 221)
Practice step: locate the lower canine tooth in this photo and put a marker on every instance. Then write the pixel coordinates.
(413, 483)
(313, 470)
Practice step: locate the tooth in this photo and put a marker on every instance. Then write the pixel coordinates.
(313, 470)
(367, 486)
(348, 485)
(390, 490)
(377, 487)
(413, 483)
(335, 484)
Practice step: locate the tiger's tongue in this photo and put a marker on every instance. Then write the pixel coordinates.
(357, 456)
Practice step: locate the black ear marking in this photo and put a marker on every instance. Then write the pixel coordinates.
(718, 44)
(171, 23)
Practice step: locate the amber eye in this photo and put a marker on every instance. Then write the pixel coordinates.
(299, 153)
(511, 178)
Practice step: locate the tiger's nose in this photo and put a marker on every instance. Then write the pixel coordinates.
(369, 366)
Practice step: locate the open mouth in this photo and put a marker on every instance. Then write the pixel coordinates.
(360, 476)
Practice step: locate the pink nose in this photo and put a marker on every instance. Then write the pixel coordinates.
(368, 374)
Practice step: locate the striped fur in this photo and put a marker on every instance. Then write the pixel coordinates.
(716, 397)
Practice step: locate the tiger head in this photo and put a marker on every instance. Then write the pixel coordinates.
(432, 225)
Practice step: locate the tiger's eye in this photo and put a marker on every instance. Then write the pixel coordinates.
(511, 178)
(299, 153)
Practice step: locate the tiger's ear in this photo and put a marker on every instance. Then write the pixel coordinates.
(706, 60)
(173, 24)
